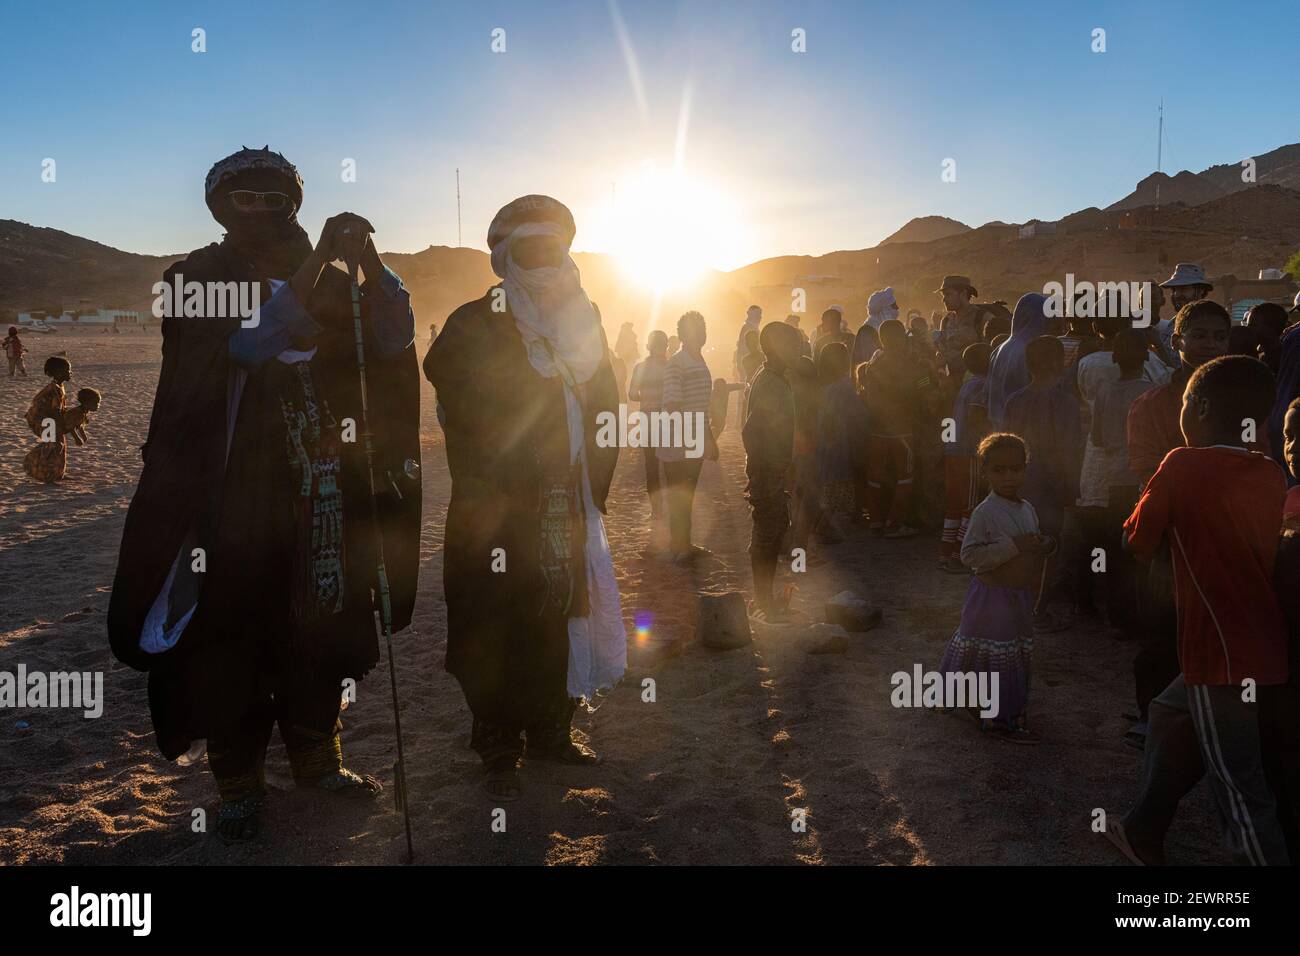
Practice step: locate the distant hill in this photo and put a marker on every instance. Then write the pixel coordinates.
(44, 268)
(49, 270)
(1207, 218)
(1238, 233)
(1280, 167)
(927, 229)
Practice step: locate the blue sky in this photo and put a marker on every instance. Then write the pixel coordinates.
(829, 149)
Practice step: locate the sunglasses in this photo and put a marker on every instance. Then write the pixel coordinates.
(247, 198)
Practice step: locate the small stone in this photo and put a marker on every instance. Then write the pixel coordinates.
(851, 612)
(724, 621)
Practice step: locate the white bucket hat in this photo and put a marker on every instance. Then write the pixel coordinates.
(1187, 273)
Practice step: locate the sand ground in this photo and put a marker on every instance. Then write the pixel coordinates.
(710, 772)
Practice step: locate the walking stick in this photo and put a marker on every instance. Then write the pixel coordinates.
(385, 601)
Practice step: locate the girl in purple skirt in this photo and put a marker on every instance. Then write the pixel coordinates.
(1005, 549)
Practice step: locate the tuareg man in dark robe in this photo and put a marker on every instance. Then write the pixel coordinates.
(534, 621)
(247, 577)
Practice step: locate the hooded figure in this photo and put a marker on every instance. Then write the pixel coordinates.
(246, 578)
(1008, 371)
(881, 307)
(534, 620)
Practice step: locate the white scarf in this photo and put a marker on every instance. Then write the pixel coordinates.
(553, 314)
(562, 336)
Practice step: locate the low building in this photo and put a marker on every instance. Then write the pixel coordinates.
(1238, 295)
(96, 319)
(1036, 228)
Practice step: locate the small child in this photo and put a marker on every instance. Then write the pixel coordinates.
(961, 470)
(48, 461)
(801, 375)
(1046, 416)
(1110, 434)
(997, 330)
(76, 417)
(768, 436)
(647, 388)
(841, 439)
(1220, 506)
(896, 386)
(1079, 340)
(14, 350)
(865, 345)
(1004, 548)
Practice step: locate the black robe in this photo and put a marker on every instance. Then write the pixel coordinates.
(240, 508)
(508, 648)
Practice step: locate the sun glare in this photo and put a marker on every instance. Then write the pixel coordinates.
(666, 229)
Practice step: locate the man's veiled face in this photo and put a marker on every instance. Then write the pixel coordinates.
(255, 195)
(537, 252)
(249, 202)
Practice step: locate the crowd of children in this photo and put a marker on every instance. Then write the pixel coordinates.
(1075, 468)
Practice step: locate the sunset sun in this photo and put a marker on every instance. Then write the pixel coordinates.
(667, 228)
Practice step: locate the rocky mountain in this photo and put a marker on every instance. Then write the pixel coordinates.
(927, 229)
(1280, 167)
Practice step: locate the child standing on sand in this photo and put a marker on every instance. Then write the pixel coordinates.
(1004, 548)
(841, 439)
(1046, 416)
(960, 467)
(896, 389)
(768, 434)
(1110, 434)
(14, 350)
(48, 461)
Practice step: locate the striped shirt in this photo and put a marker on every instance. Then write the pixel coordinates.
(688, 384)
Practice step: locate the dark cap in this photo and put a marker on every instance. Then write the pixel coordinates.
(531, 209)
(957, 282)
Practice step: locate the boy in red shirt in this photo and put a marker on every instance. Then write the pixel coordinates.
(1220, 506)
